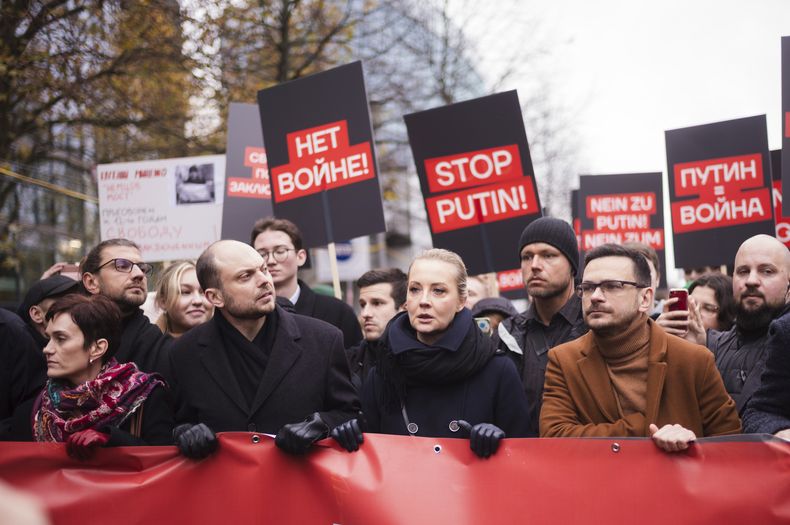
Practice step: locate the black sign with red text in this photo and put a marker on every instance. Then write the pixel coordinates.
(510, 284)
(321, 157)
(782, 222)
(476, 176)
(622, 208)
(785, 115)
(247, 191)
(719, 189)
(576, 220)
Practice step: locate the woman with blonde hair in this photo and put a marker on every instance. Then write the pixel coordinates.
(181, 299)
(438, 375)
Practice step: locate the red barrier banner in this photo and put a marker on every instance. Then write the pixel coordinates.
(395, 479)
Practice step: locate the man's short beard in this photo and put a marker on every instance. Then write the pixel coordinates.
(756, 320)
(552, 292)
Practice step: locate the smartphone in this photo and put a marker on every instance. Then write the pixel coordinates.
(682, 296)
(484, 324)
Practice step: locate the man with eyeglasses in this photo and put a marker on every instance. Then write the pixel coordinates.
(115, 269)
(549, 256)
(279, 242)
(627, 376)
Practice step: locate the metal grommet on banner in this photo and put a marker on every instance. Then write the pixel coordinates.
(615, 447)
(412, 428)
(454, 426)
(256, 439)
(437, 448)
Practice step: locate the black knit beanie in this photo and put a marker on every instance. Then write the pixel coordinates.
(552, 231)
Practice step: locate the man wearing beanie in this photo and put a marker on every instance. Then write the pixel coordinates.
(627, 377)
(549, 257)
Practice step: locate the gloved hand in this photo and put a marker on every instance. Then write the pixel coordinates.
(81, 445)
(296, 438)
(484, 438)
(195, 441)
(348, 435)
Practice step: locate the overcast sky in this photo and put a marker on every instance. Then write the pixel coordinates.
(628, 70)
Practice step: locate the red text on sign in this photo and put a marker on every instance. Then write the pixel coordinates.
(510, 280)
(619, 218)
(730, 191)
(474, 168)
(258, 186)
(321, 159)
(782, 222)
(494, 202)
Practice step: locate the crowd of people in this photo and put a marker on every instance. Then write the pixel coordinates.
(243, 344)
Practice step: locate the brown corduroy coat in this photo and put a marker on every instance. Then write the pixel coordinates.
(683, 387)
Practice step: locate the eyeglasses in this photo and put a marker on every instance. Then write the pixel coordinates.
(611, 287)
(280, 253)
(126, 266)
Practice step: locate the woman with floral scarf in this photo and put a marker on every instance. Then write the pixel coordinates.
(90, 399)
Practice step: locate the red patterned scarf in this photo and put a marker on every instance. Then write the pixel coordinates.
(107, 400)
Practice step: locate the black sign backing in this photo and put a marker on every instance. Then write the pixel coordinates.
(321, 157)
(476, 176)
(622, 208)
(247, 189)
(719, 189)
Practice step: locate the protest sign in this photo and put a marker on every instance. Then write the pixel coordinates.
(169, 207)
(401, 479)
(322, 162)
(719, 189)
(247, 190)
(786, 115)
(476, 176)
(622, 208)
(510, 284)
(782, 222)
(576, 220)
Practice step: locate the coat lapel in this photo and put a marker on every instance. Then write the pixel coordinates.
(305, 305)
(284, 355)
(593, 370)
(213, 356)
(656, 372)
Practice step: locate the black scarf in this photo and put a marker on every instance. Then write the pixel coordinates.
(461, 352)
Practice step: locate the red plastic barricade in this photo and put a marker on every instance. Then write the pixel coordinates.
(395, 479)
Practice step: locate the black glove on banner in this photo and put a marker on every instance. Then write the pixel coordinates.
(484, 438)
(296, 438)
(195, 441)
(348, 435)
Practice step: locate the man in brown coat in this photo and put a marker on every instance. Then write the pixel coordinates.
(627, 377)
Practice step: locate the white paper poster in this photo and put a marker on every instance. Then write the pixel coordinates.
(172, 208)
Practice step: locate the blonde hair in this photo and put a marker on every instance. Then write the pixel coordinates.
(168, 290)
(452, 258)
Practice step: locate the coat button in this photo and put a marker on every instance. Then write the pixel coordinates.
(251, 427)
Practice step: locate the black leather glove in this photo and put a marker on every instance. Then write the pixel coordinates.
(296, 438)
(195, 441)
(348, 435)
(484, 438)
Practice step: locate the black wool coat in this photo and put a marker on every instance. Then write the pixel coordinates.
(768, 411)
(329, 309)
(23, 368)
(307, 372)
(144, 344)
(491, 395)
